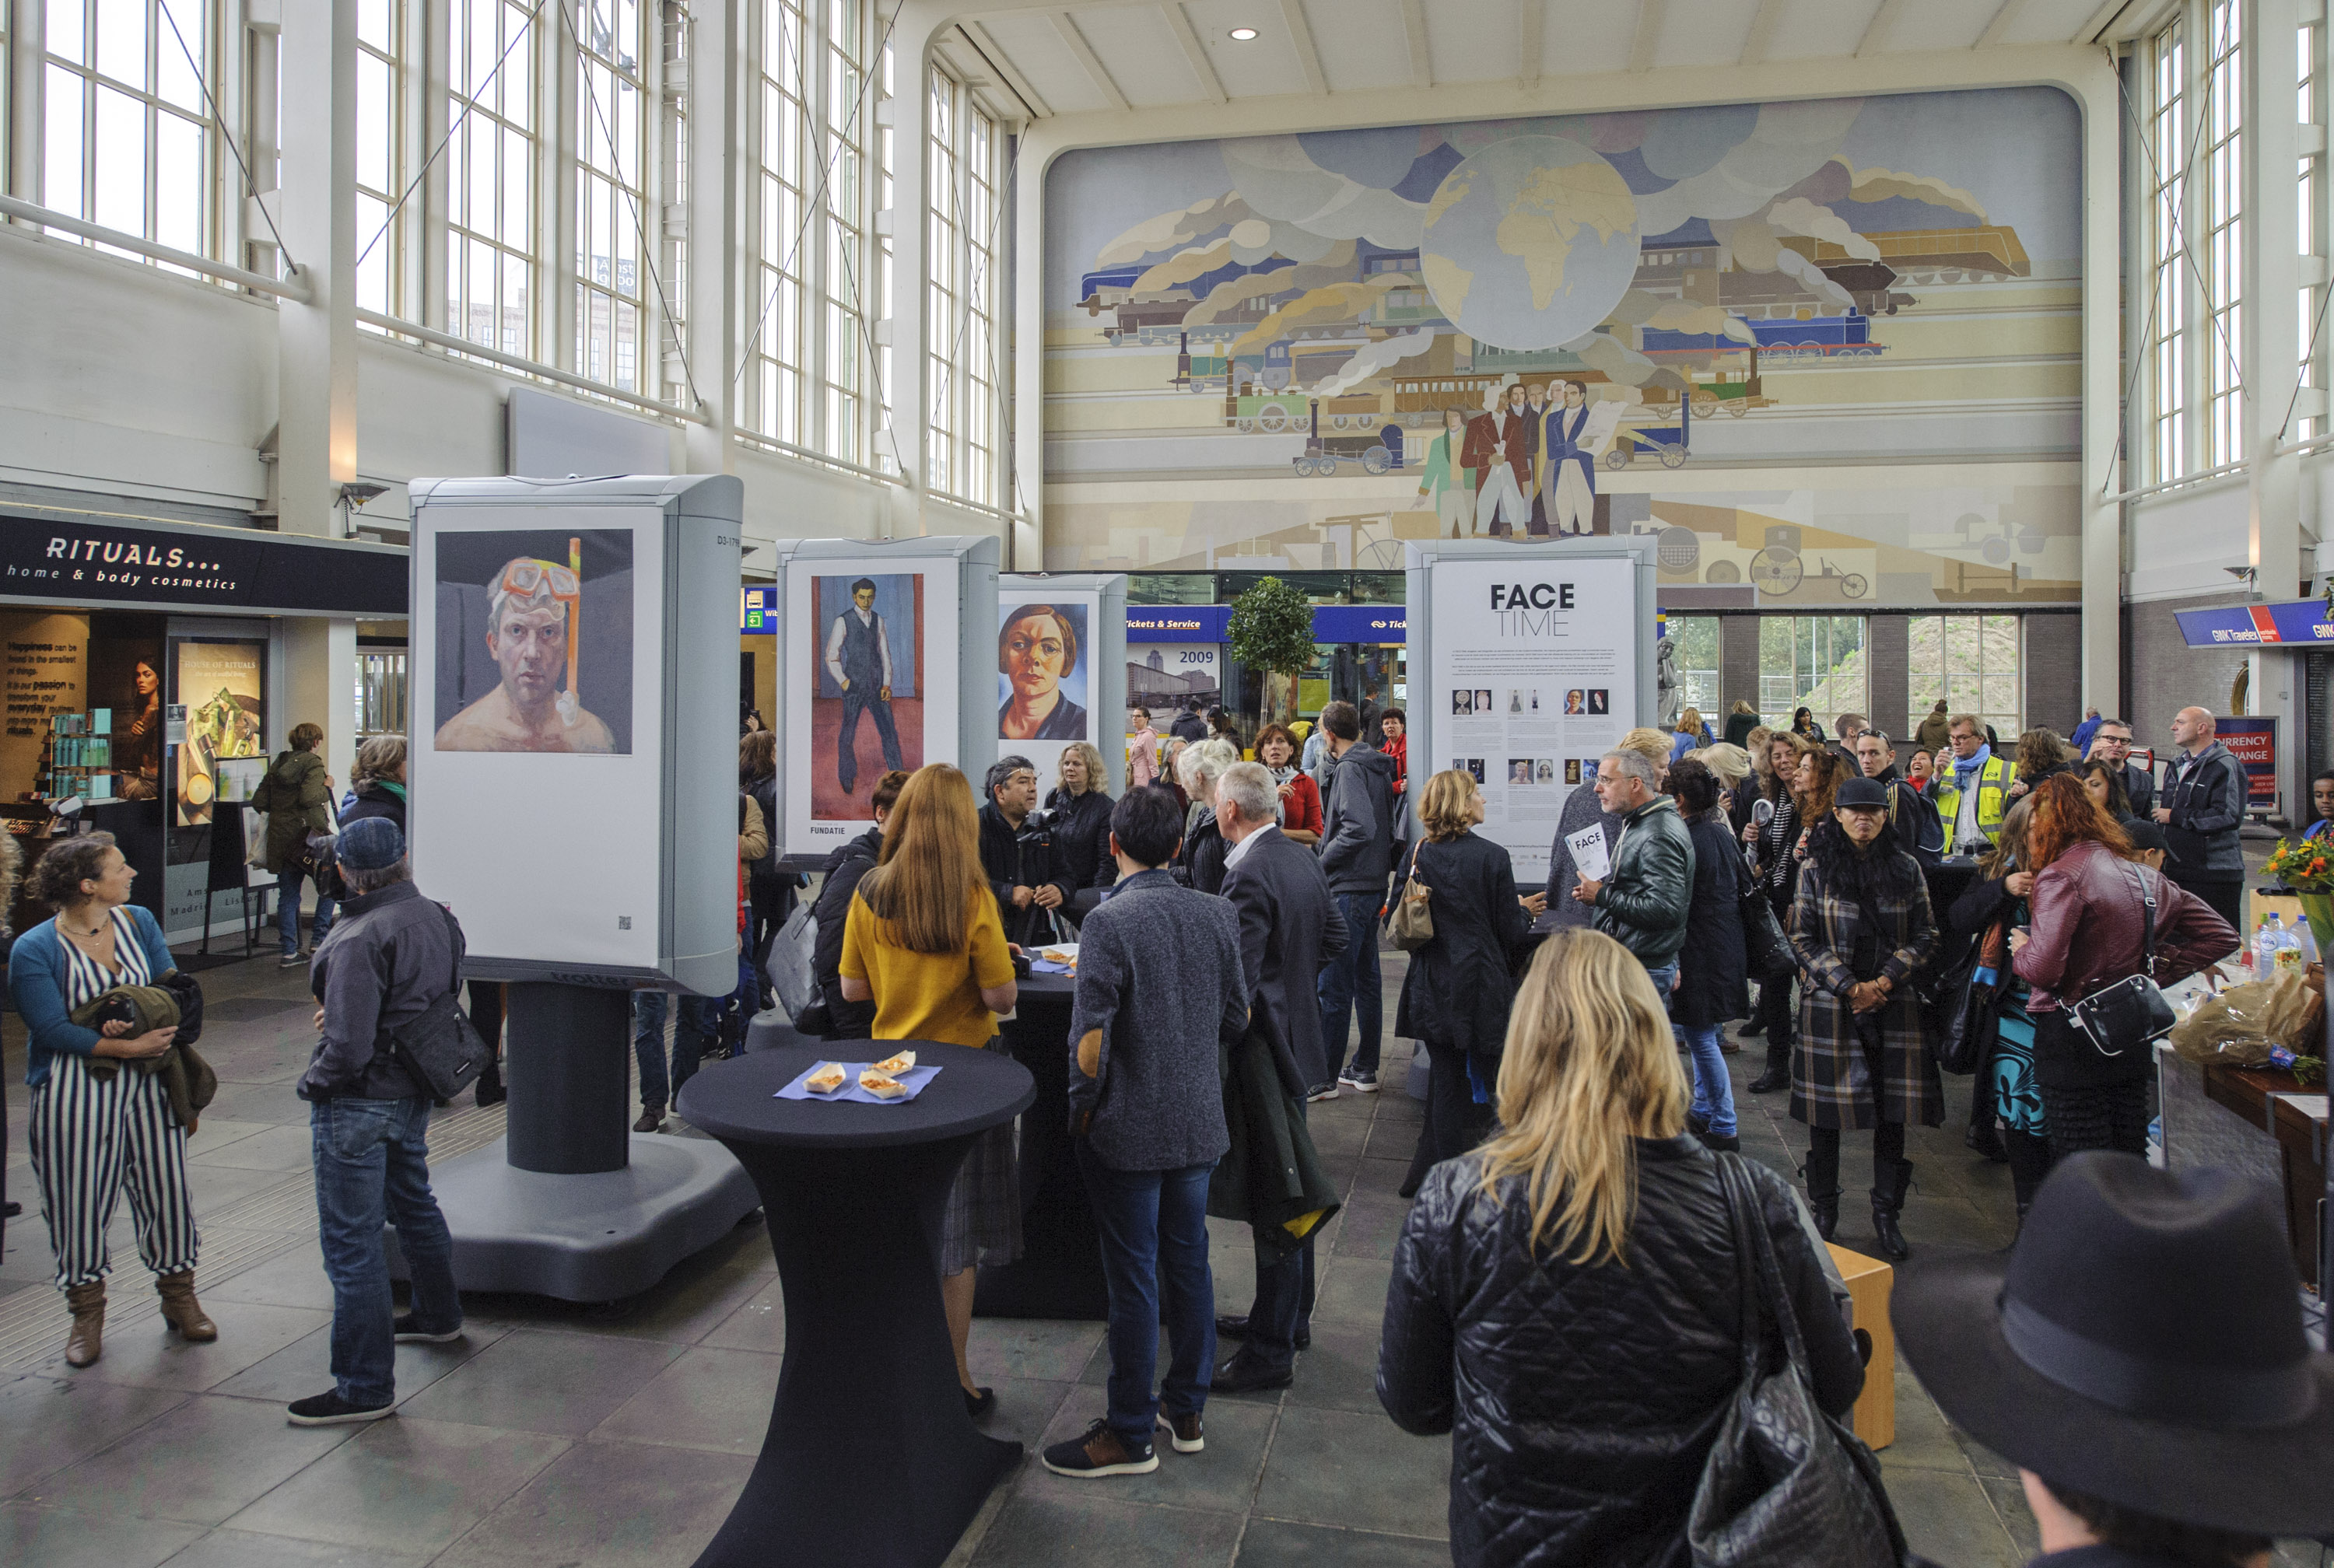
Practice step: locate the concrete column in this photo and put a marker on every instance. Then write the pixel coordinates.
(429, 37)
(556, 95)
(2273, 313)
(320, 663)
(2102, 515)
(27, 30)
(1738, 660)
(912, 198)
(316, 341)
(713, 310)
(1887, 681)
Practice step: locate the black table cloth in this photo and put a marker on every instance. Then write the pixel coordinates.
(870, 1458)
(1059, 1272)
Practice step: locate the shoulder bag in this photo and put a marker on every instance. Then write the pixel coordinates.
(439, 1047)
(1411, 920)
(2132, 1011)
(1964, 1011)
(1784, 1483)
(1766, 951)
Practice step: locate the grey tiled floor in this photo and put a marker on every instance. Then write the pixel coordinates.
(554, 1435)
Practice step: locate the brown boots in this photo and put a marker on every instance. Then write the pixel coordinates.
(181, 1311)
(86, 1341)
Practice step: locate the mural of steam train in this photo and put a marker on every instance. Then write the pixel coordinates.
(1847, 336)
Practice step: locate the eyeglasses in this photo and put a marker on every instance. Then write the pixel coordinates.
(528, 578)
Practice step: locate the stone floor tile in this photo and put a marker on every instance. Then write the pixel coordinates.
(294, 1277)
(1984, 1460)
(1351, 1468)
(1025, 1407)
(1282, 1544)
(144, 1354)
(537, 1381)
(407, 1485)
(1037, 1348)
(1100, 1525)
(54, 1538)
(609, 1505)
(215, 1133)
(2017, 1515)
(198, 1463)
(1221, 1478)
(271, 1149)
(1948, 1518)
(224, 1548)
(1340, 1372)
(1925, 1439)
(1351, 1290)
(690, 1302)
(214, 1187)
(708, 1399)
(760, 1323)
(305, 1366)
(48, 1423)
(1373, 1221)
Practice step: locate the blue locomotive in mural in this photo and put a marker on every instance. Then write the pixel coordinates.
(1847, 336)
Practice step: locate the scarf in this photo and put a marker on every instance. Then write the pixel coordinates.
(1965, 768)
(1281, 775)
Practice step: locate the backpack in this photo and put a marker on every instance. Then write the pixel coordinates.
(1922, 828)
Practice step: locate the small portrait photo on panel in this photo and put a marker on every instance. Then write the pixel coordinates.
(1462, 703)
(1572, 770)
(1575, 701)
(1599, 700)
(1520, 770)
(538, 628)
(1483, 700)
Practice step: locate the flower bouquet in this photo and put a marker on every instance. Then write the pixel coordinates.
(2307, 868)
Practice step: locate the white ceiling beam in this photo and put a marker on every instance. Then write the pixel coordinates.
(1651, 14)
(1761, 37)
(1876, 31)
(1066, 25)
(2003, 15)
(978, 37)
(1201, 66)
(1533, 44)
(1300, 35)
(1413, 24)
(2104, 17)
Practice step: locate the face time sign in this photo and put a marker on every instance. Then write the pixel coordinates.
(1514, 605)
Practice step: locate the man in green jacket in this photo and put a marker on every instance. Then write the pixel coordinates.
(1641, 902)
(295, 794)
(1451, 486)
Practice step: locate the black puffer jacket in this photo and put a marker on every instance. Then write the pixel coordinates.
(1582, 1400)
(1082, 837)
(844, 868)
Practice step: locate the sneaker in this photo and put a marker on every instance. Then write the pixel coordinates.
(407, 1332)
(1183, 1432)
(651, 1118)
(1325, 1091)
(290, 960)
(329, 1409)
(1360, 1079)
(1100, 1452)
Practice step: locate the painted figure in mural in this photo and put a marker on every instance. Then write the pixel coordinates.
(1447, 477)
(859, 657)
(1037, 648)
(1537, 398)
(1571, 469)
(531, 613)
(1501, 444)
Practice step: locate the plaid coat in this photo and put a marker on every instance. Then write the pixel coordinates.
(1832, 1079)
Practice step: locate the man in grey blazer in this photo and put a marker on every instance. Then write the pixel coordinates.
(1161, 989)
(1289, 927)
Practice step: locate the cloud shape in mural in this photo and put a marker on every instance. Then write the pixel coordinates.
(1374, 357)
(1174, 230)
(1880, 184)
(1327, 306)
(1639, 308)
(1530, 242)
(1798, 214)
(1279, 179)
(1622, 364)
(1336, 266)
(1786, 143)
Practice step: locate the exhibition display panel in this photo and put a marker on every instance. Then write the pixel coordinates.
(1061, 670)
(574, 804)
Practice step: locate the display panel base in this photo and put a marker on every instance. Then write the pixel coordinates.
(594, 1237)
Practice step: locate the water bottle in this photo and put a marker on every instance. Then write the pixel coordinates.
(2265, 946)
(2288, 959)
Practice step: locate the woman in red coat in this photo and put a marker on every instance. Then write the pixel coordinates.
(1300, 798)
(1397, 726)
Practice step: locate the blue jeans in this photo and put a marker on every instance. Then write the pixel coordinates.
(1349, 988)
(287, 912)
(1713, 1090)
(372, 1168)
(1663, 978)
(700, 1019)
(1154, 1220)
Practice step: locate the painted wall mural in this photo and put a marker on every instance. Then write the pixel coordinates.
(1828, 351)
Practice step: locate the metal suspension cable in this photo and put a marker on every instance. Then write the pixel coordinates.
(250, 185)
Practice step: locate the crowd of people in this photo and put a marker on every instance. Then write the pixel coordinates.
(1578, 1165)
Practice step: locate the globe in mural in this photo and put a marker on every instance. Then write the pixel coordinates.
(1529, 243)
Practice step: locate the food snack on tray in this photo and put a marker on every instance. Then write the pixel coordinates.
(892, 1067)
(827, 1080)
(881, 1085)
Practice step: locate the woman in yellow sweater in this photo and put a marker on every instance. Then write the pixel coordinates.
(925, 943)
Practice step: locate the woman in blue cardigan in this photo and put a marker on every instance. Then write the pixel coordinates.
(97, 1124)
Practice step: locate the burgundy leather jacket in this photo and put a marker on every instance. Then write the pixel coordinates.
(2087, 926)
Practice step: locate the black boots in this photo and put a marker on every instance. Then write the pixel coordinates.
(1821, 1173)
(1779, 1068)
(1893, 1180)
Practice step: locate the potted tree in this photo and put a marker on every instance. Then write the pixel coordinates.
(1271, 631)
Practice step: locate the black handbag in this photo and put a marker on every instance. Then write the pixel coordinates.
(1766, 951)
(1963, 1012)
(440, 1048)
(2133, 1011)
(1784, 1483)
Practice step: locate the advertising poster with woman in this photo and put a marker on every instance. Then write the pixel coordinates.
(1045, 654)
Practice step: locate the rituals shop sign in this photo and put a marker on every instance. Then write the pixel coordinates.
(213, 568)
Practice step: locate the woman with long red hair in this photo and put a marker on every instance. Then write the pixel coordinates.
(2090, 914)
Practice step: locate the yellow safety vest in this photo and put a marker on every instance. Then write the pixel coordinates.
(1993, 800)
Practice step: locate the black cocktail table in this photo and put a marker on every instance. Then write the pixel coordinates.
(870, 1458)
(1059, 1272)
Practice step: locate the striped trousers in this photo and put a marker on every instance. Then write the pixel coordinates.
(89, 1140)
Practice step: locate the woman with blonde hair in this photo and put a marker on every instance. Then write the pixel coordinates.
(1081, 805)
(925, 943)
(1691, 734)
(1741, 723)
(1730, 765)
(1202, 863)
(1456, 994)
(1590, 1219)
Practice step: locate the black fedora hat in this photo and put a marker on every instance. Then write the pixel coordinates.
(1861, 794)
(2142, 1344)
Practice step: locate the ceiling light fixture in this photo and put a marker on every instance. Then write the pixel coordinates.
(1244, 34)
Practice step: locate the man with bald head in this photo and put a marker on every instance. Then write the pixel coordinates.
(2200, 807)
